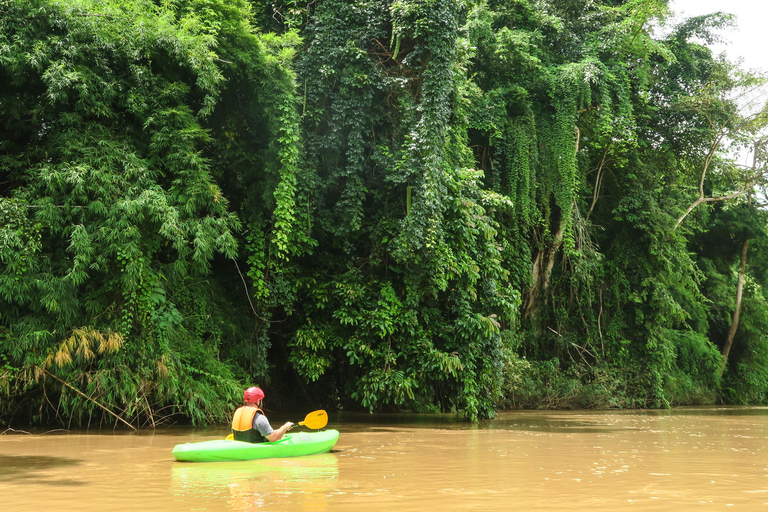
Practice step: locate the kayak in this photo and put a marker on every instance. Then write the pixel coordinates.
(291, 445)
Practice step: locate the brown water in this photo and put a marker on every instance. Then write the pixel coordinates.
(685, 459)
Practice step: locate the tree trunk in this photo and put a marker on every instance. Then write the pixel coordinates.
(541, 274)
(737, 313)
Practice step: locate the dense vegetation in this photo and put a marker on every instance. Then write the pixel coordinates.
(431, 205)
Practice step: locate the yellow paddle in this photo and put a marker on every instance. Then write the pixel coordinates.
(314, 420)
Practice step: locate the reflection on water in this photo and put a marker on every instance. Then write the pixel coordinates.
(300, 483)
(18, 469)
(681, 459)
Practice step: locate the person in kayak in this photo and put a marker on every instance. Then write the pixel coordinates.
(251, 425)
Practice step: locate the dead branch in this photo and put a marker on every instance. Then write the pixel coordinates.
(14, 431)
(70, 386)
(92, 15)
(54, 431)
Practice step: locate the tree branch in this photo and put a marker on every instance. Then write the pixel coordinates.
(701, 198)
(70, 386)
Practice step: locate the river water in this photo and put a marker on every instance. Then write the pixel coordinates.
(683, 459)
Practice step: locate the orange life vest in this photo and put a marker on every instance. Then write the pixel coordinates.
(242, 425)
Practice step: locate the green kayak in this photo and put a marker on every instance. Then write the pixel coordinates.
(291, 445)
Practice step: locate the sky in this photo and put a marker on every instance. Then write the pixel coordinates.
(749, 40)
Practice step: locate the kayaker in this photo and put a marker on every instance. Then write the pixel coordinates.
(251, 425)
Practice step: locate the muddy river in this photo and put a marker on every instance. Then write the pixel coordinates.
(708, 458)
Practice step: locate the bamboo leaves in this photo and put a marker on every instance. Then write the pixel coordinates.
(116, 197)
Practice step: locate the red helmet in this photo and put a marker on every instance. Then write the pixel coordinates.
(252, 395)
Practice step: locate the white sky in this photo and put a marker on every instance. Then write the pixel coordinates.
(750, 37)
(747, 41)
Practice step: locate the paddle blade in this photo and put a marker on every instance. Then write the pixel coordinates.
(316, 419)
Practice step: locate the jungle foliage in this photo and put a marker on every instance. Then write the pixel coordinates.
(431, 205)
